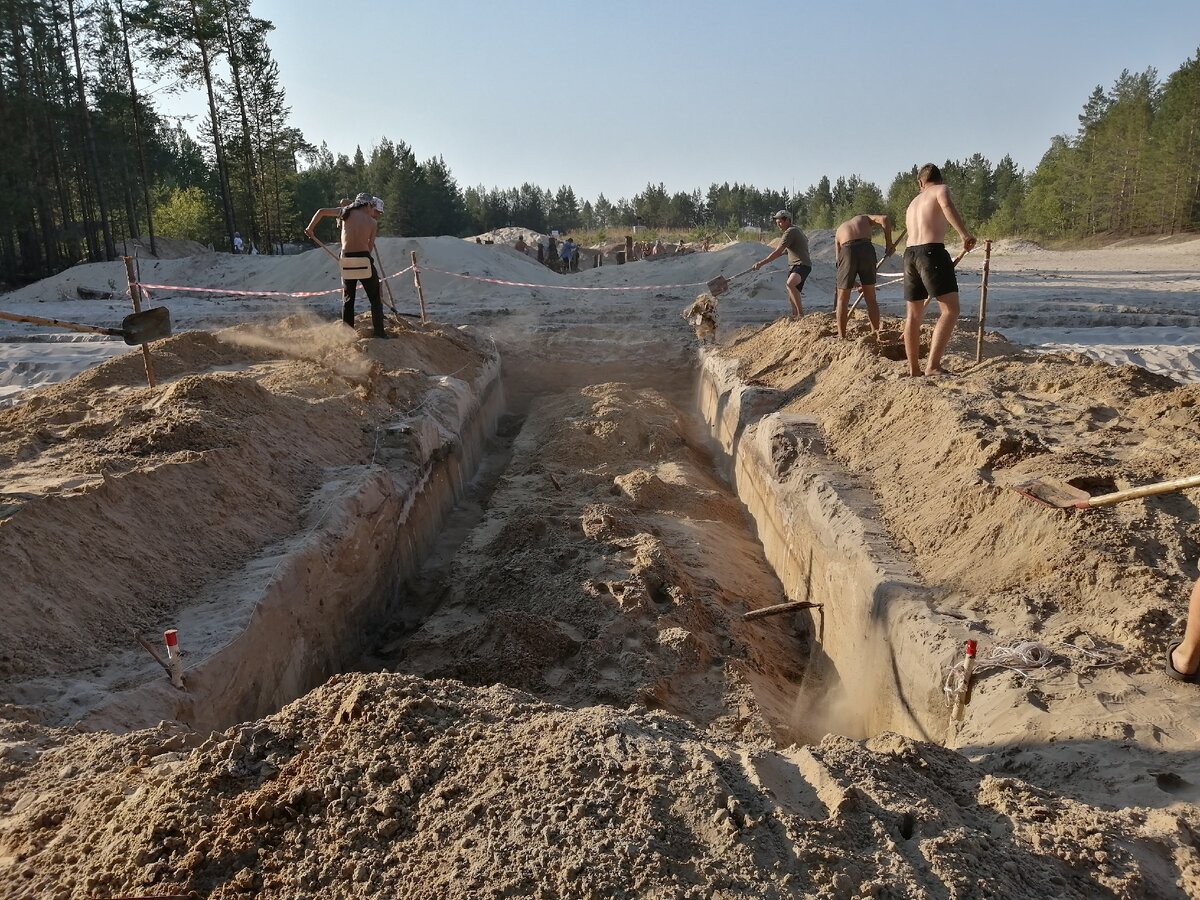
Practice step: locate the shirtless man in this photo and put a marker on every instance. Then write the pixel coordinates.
(359, 227)
(799, 262)
(928, 269)
(855, 257)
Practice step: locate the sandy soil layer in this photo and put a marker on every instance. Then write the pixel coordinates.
(613, 729)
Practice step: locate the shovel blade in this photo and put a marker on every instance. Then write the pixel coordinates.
(146, 326)
(1051, 493)
(718, 285)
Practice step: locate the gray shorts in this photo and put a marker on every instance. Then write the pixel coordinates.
(857, 263)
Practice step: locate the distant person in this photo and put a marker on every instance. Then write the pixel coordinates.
(659, 249)
(520, 246)
(541, 252)
(575, 258)
(1183, 658)
(564, 254)
(856, 260)
(360, 224)
(253, 250)
(706, 244)
(795, 244)
(552, 253)
(928, 269)
(238, 246)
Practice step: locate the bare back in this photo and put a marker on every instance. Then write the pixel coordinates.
(358, 231)
(926, 217)
(856, 229)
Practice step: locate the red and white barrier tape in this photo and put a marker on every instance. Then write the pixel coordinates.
(234, 293)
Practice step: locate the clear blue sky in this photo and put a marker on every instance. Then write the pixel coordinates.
(609, 96)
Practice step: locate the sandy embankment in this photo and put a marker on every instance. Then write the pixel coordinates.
(627, 690)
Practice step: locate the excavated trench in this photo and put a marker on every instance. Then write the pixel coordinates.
(593, 532)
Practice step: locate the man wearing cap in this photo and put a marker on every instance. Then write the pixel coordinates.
(855, 256)
(359, 227)
(799, 262)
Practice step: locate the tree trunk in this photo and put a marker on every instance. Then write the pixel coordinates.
(235, 68)
(110, 249)
(222, 171)
(137, 128)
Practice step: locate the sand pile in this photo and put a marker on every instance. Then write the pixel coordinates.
(1104, 589)
(389, 784)
(101, 472)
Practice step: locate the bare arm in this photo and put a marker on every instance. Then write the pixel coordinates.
(319, 215)
(885, 223)
(953, 217)
(775, 254)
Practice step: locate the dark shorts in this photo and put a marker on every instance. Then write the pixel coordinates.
(928, 272)
(803, 271)
(857, 263)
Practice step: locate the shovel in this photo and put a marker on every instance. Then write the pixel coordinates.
(1059, 495)
(137, 328)
(720, 284)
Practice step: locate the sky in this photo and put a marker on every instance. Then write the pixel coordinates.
(610, 97)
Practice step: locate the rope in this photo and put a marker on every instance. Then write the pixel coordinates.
(1026, 658)
(235, 293)
(563, 287)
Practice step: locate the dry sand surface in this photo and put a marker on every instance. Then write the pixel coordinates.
(564, 699)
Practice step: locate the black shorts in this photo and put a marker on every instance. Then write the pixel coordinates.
(803, 271)
(858, 262)
(928, 272)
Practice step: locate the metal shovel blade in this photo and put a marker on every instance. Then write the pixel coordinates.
(718, 285)
(1051, 493)
(146, 326)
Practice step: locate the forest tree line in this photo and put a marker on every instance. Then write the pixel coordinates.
(89, 159)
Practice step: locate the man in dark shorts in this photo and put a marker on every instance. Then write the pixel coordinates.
(928, 269)
(799, 262)
(856, 260)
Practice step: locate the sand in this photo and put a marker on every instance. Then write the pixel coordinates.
(569, 703)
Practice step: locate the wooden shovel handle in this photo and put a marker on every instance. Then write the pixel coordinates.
(1146, 490)
(58, 323)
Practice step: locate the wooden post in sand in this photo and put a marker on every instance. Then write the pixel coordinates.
(983, 286)
(417, 281)
(135, 294)
(628, 248)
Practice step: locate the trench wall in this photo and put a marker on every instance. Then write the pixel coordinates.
(878, 646)
(299, 612)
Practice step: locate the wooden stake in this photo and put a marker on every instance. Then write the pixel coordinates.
(135, 290)
(780, 608)
(420, 291)
(983, 286)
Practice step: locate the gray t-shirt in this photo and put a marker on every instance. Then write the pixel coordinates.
(796, 244)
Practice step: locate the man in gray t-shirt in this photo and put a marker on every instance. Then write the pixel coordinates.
(799, 263)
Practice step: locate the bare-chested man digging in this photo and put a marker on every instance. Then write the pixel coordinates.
(928, 269)
(855, 257)
(359, 227)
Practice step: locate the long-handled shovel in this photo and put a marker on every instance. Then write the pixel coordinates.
(137, 328)
(1059, 495)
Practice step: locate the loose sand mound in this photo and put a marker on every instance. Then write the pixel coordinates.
(388, 784)
(101, 472)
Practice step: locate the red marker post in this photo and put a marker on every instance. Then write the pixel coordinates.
(174, 659)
